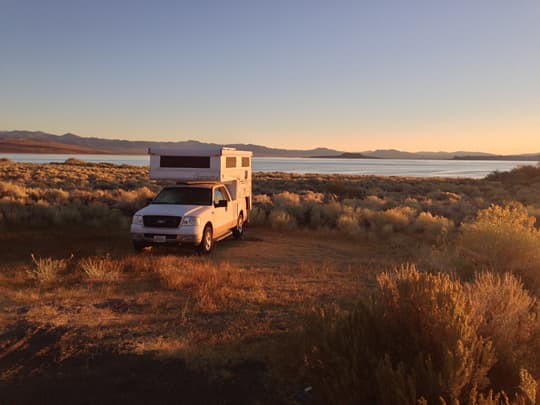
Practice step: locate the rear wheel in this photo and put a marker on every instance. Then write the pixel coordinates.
(207, 242)
(238, 232)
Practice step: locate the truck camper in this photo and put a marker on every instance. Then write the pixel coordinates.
(208, 198)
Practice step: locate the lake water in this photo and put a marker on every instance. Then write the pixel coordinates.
(380, 167)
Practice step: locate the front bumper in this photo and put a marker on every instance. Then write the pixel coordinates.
(167, 236)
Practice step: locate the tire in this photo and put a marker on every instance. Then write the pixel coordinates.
(138, 246)
(207, 242)
(238, 232)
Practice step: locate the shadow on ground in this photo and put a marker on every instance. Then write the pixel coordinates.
(33, 370)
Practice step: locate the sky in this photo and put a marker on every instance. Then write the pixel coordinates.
(349, 75)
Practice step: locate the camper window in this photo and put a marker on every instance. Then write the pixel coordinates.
(230, 162)
(193, 162)
(245, 162)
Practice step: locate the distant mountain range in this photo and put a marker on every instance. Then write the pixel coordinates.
(42, 142)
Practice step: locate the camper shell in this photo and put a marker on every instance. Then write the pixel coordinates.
(220, 177)
(223, 165)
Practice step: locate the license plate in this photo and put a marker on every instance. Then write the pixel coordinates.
(160, 238)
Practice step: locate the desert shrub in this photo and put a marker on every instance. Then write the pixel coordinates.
(262, 200)
(415, 339)
(394, 219)
(310, 196)
(56, 196)
(349, 223)
(257, 216)
(315, 217)
(129, 201)
(523, 174)
(75, 161)
(342, 190)
(77, 192)
(503, 238)
(47, 271)
(432, 225)
(279, 219)
(534, 211)
(373, 202)
(11, 190)
(508, 316)
(100, 269)
(329, 213)
(295, 206)
(286, 199)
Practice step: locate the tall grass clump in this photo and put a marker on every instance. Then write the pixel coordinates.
(415, 339)
(503, 238)
(100, 269)
(47, 271)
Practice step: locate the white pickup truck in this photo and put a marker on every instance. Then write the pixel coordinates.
(211, 200)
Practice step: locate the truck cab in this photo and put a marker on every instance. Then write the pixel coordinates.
(195, 211)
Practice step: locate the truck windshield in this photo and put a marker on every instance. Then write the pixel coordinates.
(184, 196)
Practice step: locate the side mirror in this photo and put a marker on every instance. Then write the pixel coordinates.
(220, 204)
(149, 201)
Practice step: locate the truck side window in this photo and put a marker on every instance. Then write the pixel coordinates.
(218, 195)
(224, 194)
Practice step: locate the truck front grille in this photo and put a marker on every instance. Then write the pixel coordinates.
(151, 236)
(161, 221)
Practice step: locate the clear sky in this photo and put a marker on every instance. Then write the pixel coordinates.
(350, 75)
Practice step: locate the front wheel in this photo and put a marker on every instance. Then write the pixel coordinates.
(207, 242)
(238, 232)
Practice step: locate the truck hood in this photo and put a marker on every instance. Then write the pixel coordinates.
(171, 210)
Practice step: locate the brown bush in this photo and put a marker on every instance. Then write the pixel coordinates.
(416, 339)
(508, 316)
(503, 238)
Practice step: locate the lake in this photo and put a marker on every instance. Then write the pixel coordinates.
(379, 167)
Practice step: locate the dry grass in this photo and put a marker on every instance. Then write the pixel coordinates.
(233, 309)
(100, 269)
(48, 271)
(211, 286)
(233, 320)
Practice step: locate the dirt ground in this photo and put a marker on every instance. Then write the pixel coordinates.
(134, 341)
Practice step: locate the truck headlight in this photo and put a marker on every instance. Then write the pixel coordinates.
(191, 221)
(137, 220)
